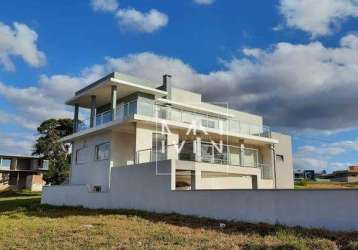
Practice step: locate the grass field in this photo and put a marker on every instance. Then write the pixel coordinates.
(25, 224)
(325, 185)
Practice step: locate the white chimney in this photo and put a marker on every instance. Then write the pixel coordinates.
(167, 85)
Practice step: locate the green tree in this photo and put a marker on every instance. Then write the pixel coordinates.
(48, 147)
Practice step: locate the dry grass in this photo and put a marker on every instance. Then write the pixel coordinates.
(326, 185)
(25, 224)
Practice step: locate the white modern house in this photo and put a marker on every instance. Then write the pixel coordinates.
(134, 121)
(153, 147)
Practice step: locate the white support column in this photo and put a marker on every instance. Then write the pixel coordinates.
(75, 118)
(193, 179)
(13, 164)
(242, 153)
(274, 164)
(197, 149)
(93, 111)
(114, 101)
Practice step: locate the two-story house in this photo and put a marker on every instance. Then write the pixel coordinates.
(134, 121)
(22, 172)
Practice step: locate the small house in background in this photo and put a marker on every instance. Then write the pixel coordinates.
(22, 172)
(310, 175)
(350, 175)
(301, 174)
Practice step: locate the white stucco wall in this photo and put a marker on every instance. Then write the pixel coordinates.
(123, 148)
(227, 182)
(91, 172)
(243, 117)
(192, 98)
(188, 97)
(138, 187)
(143, 140)
(284, 169)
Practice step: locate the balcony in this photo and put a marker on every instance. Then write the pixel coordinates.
(206, 152)
(124, 111)
(127, 110)
(206, 121)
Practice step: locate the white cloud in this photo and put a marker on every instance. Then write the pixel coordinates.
(310, 163)
(204, 2)
(104, 5)
(32, 105)
(6, 118)
(134, 20)
(289, 84)
(317, 17)
(131, 19)
(60, 87)
(319, 157)
(328, 150)
(19, 41)
(16, 143)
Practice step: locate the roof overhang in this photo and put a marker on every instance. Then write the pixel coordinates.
(19, 156)
(102, 90)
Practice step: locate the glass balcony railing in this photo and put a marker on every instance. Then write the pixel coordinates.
(207, 153)
(128, 109)
(206, 121)
(123, 111)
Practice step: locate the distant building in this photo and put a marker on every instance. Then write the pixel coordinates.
(301, 174)
(22, 172)
(350, 175)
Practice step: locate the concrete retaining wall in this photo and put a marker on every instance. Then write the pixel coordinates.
(140, 188)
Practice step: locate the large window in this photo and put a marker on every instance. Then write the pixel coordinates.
(82, 155)
(5, 163)
(102, 151)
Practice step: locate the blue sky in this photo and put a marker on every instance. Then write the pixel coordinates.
(280, 59)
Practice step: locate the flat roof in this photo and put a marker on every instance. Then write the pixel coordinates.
(19, 156)
(126, 85)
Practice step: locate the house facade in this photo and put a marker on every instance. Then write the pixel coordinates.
(134, 122)
(22, 172)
